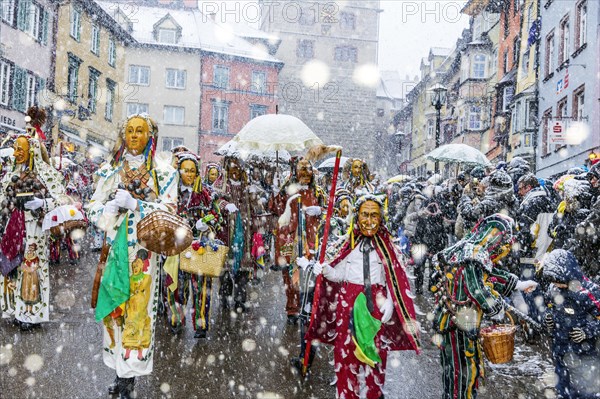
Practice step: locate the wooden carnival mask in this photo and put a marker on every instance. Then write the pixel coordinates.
(369, 218)
(304, 172)
(213, 175)
(188, 172)
(21, 148)
(357, 167)
(137, 134)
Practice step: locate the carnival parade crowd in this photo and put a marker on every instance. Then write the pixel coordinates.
(481, 244)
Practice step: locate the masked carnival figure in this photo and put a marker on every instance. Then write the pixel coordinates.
(363, 308)
(357, 179)
(213, 176)
(469, 284)
(197, 205)
(28, 191)
(131, 186)
(300, 185)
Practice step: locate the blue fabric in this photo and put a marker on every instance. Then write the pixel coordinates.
(238, 243)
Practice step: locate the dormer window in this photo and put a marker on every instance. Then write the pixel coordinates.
(168, 36)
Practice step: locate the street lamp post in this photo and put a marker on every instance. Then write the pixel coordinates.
(437, 101)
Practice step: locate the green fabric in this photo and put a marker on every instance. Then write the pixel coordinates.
(238, 243)
(114, 288)
(364, 328)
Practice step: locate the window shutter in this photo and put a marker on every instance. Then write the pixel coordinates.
(44, 28)
(22, 9)
(39, 90)
(19, 88)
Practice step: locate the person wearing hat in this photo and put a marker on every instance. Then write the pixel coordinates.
(29, 190)
(573, 319)
(468, 285)
(130, 187)
(196, 204)
(364, 309)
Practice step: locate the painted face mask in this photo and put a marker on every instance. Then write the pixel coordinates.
(304, 172)
(137, 135)
(369, 218)
(188, 172)
(21, 148)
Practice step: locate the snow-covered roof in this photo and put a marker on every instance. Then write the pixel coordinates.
(198, 31)
(440, 51)
(390, 85)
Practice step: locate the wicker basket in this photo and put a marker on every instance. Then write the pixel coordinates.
(499, 342)
(164, 233)
(67, 227)
(209, 263)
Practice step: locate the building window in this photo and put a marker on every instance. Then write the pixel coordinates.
(75, 23)
(506, 22)
(305, 49)
(507, 96)
(561, 109)
(346, 53)
(174, 115)
(550, 54)
(546, 120)
(475, 118)
(175, 78)
(137, 108)
(139, 75)
(516, 6)
(516, 50)
(221, 77)
(257, 110)
(505, 63)
(168, 143)
(347, 21)
(220, 117)
(579, 103)
(33, 20)
(112, 52)
(564, 40)
(259, 82)
(581, 31)
(479, 61)
(73, 78)
(110, 99)
(93, 89)
(167, 36)
(8, 11)
(30, 90)
(530, 114)
(95, 44)
(494, 62)
(430, 129)
(5, 76)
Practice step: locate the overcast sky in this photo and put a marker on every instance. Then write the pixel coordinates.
(408, 29)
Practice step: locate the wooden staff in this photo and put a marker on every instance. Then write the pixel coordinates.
(100, 271)
(336, 169)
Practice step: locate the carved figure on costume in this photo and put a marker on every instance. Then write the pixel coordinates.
(357, 178)
(198, 206)
(301, 183)
(131, 186)
(469, 285)
(30, 190)
(363, 309)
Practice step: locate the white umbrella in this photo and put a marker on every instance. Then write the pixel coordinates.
(459, 153)
(329, 163)
(276, 132)
(6, 152)
(231, 149)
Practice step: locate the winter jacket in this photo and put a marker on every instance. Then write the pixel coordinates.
(412, 216)
(563, 225)
(502, 202)
(430, 227)
(586, 246)
(577, 306)
(535, 202)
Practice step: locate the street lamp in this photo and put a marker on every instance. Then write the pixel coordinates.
(437, 101)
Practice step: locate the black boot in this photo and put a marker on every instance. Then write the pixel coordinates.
(26, 326)
(126, 387)
(200, 334)
(113, 388)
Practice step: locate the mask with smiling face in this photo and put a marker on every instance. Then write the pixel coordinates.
(356, 168)
(213, 175)
(369, 218)
(21, 148)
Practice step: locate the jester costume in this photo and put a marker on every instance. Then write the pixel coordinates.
(23, 234)
(193, 203)
(129, 291)
(340, 297)
(468, 286)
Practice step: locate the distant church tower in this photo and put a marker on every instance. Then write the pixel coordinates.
(343, 35)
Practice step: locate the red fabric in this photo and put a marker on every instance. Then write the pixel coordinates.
(258, 246)
(40, 133)
(346, 365)
(13, 240)
(292, 294)
(402, 335)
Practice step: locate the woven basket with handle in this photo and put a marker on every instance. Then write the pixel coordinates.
(206, 261)
(164, 233)
(67, 227)
(499, 342)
